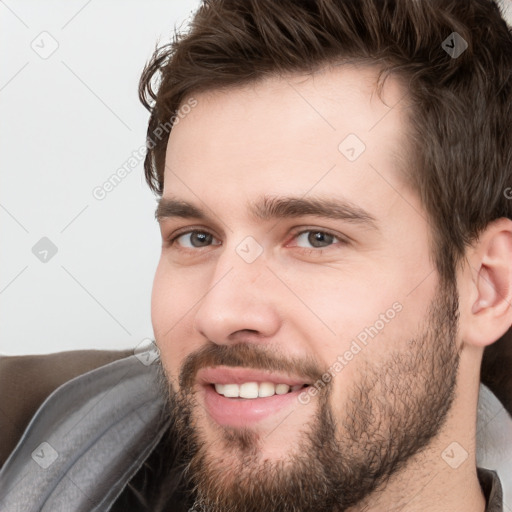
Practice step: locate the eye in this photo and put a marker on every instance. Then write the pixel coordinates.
(193, 239)
(318, 239)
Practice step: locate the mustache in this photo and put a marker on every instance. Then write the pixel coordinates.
(246, 355)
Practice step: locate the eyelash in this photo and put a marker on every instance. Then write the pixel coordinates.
(171, 241)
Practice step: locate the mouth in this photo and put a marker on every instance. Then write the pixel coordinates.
(253, 390)
(239, 397)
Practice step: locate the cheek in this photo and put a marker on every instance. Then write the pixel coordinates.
(347, 303)
(161, 301)
(372, 316)
(172, 307)
(174, 294)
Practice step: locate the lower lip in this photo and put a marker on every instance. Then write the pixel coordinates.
(241, 412)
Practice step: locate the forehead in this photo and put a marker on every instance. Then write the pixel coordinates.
(289, 132)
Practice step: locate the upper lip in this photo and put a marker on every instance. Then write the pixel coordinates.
(230, 375)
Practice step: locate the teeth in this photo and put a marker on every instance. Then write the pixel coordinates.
(249, 390)
(282, 389)
(231, 390)
(254, 390)
(266, 389)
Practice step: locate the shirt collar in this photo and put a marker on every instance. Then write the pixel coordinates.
(491, 487)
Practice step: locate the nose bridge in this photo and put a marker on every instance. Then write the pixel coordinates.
(238, 295)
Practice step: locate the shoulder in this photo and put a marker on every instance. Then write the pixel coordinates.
(26, 381)
(89, 436)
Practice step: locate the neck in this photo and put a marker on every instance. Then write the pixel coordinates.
(443, 475)
(424, 486)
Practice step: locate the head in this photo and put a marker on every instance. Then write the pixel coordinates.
(333, 183)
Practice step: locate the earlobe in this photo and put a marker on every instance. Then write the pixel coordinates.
(491, 303)
(487, 293)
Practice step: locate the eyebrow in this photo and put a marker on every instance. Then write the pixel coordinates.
(272, 207)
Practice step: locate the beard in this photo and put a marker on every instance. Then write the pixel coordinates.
(394, 408)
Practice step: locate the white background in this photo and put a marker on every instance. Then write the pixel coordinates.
(68, 122)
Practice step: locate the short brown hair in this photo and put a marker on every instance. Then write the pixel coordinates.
(461, 124)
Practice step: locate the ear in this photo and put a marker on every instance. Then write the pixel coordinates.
(486, 286)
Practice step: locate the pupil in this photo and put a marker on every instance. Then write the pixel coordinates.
(203, 239)
(318, 236)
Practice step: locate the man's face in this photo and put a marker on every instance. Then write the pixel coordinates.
(331, 328)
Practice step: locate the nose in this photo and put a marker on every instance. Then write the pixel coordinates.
(239, 304)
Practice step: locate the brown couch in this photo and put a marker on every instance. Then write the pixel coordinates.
(26, 381)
